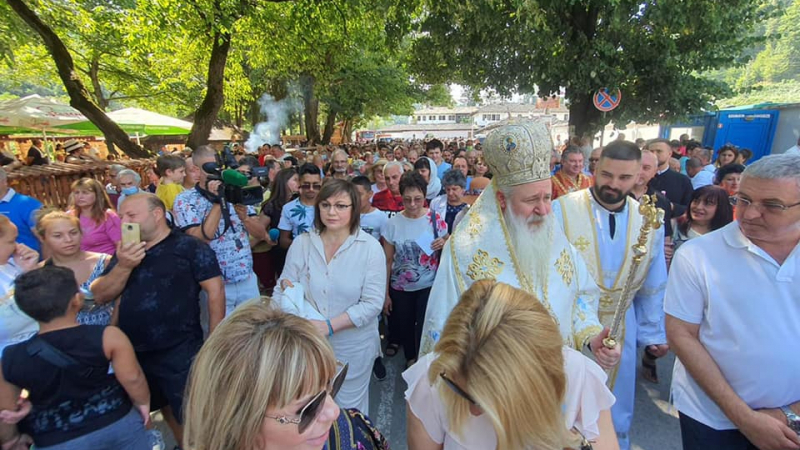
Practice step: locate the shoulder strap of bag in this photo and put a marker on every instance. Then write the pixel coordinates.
(40, 348)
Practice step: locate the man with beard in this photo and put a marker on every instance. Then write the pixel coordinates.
(603, 223)
(339, 165)
(504, 237)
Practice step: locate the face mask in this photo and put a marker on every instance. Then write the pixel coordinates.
(130, 190)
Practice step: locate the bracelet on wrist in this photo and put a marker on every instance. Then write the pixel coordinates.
(330, 327)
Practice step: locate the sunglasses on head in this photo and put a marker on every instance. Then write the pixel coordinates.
(308, 414)
(454, 387)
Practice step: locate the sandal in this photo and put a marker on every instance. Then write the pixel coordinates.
(649, 371)
(392, 349)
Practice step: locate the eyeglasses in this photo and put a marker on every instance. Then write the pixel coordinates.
(454, 387)
(772, 207)
(413, 199)
(314, 186)
(340, 207)
(312, 409)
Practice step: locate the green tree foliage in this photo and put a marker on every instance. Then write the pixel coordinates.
(213, 59)
(652, 50)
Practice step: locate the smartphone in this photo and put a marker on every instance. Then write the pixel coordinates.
(130, 233)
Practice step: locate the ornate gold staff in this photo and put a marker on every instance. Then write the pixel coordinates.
(653, 217)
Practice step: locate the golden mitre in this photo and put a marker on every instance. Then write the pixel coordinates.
(518, 151)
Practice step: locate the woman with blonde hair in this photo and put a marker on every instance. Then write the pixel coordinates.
(100, 224)
(63, 235)
(266, 380)
(501, 377)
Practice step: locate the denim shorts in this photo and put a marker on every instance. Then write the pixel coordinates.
(127, 433)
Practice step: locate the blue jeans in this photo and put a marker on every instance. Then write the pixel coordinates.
(127, 433)
(240, 292)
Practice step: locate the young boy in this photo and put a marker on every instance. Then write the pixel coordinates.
(172, 169)
(65, 368)
(372, 219)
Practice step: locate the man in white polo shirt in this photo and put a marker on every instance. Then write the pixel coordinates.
(733, 319)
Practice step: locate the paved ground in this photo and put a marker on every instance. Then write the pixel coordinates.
(655, 424)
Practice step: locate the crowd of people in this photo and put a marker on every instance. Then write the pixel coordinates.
(497, 267)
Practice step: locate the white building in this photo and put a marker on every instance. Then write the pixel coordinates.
(437, 116)
(489, 114)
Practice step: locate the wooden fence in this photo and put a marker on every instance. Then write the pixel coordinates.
(51, 183)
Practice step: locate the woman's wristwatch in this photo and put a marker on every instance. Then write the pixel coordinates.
(792, 419)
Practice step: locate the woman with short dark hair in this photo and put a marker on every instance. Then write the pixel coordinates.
(729, 176)
(412, 242)
(346, 301)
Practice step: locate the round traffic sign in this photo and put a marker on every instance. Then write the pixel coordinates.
(605, 101)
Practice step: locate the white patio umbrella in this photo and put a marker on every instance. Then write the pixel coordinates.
(35, 113)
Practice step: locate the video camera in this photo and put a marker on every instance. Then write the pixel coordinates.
(234, 187)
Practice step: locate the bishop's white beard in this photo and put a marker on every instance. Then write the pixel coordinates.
(532, 245)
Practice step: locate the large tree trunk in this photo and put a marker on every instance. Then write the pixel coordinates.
(206, 114)
(347, 130)
(78, 95)
(311, 107)
(583, 116)
(330, 127)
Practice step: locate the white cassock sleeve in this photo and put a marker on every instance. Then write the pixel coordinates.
(585, 323)
(649, 300)
(443, 298)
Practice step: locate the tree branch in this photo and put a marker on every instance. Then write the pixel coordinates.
(79, 96)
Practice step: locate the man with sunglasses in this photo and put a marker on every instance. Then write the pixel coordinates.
(732, 315)
(297, 216)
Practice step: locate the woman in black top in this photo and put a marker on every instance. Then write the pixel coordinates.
(268, 262)
(78, 400)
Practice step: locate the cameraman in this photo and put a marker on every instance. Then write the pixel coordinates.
(198, 213)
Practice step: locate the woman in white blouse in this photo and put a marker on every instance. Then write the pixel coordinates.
(501, 378)
(343, 272)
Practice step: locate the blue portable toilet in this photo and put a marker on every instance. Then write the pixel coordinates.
(747, 128)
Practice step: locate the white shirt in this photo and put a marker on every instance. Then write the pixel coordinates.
(15, 325)
(374, 222)
(748, 309)
(702, 178)
(586, 396)
(336, 287)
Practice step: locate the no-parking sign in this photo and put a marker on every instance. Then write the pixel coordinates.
(605, 100)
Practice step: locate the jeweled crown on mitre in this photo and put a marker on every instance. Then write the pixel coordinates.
(518, 151)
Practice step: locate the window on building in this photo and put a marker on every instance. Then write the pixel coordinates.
(431, 117)
(451, 117)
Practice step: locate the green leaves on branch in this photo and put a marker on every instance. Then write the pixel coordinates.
(653, 50)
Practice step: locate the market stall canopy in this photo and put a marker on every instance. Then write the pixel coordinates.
(36, 114)
(139, 121)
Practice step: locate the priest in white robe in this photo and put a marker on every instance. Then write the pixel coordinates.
(604, 223)
(505, 234)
